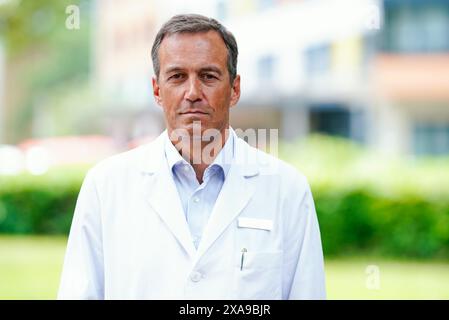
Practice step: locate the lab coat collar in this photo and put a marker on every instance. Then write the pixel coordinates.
(162, 195)
(222, 160)
(244, 157)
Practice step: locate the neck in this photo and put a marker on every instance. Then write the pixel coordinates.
(200, 154)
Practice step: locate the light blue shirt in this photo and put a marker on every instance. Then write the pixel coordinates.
(197, 199)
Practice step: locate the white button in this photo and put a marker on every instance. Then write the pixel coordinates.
(196, 276)
(196, 199)
(186, 167)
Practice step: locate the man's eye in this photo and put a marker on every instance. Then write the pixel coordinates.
(176, 76)
(209, 76)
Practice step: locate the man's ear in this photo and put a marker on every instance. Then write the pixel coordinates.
(156, 91)
(235, 91)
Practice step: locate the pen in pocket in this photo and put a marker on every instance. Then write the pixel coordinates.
(243, 257)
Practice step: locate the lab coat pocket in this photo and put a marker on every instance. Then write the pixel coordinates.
(258, 275)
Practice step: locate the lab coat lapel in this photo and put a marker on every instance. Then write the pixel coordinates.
(236, 192)
(161, 193)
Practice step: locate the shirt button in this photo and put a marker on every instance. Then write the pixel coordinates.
(186, 167)
(196, 199)
(196, 276)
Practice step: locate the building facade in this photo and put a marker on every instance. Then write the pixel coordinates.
(372, 71)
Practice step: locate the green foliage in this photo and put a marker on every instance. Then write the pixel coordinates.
(47, 57)
(39, 204)
(372, 202)
(358, 220)
(392, 207)
(27, 23)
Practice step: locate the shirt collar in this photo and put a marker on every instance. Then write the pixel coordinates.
(223, 159)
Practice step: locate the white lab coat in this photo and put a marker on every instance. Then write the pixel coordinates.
(129, 238)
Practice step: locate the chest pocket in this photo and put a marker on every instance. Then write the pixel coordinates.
(258, 275)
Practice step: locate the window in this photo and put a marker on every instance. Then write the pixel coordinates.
(265, 4)
(222, 10)
(318, 60)
(330, 119)
(265, 68)
(431, 139)
(416, 27)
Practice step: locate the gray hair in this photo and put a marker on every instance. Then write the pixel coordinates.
(194, 23)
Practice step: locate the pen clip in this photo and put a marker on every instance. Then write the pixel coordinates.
(243, 256)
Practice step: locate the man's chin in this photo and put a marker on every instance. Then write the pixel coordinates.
(196, 130)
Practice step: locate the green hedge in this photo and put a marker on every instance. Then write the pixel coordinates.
(359, 220)
(389, 207)
(368, 202)
(39, 204)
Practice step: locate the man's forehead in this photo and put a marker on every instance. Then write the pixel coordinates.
(209, 41)
(193, 49)
(210, 34)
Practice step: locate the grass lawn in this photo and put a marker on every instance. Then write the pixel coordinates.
(30, 269)
(379, 278)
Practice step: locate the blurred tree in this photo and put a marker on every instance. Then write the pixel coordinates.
(44, 58)
(31, 23)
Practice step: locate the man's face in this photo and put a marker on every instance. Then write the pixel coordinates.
(194, 82)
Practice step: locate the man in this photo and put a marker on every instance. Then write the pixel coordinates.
(198, 213)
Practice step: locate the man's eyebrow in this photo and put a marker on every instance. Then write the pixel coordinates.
(203, 69)
(173, 69)
(211, 68)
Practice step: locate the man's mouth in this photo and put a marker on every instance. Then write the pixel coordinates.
(194, 112)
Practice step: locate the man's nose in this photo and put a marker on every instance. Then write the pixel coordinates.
(193, 92)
